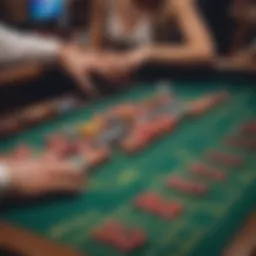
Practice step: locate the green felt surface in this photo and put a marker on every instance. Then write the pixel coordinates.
(207, 223)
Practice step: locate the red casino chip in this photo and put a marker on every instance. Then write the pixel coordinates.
(114, 226)
(142, 132)
(225, 158)
(186, 186)
(59, 145)
(249, 127)
(206, 171)
(169, 209)
(166, 124)
(148, 201)
(101, 236)
(135, 142)
(138, 238)
(121, 242)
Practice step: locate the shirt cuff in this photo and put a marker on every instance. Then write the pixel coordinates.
(40, 48)
(5, 177)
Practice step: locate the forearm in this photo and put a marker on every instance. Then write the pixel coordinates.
(20, 72)
(179, 54)
(197, 46)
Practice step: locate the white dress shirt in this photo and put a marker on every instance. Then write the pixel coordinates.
(16, 46)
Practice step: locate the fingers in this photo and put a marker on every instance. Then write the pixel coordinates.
(86, 85)
(234, 63)
(63, 169)
(114, 74)
(49, 157)
(66, 178)
(38, 177)
(67, 185)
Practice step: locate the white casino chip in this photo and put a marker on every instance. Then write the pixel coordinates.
(164, 87)
(79, 163)
(5, 177)
(65, 105)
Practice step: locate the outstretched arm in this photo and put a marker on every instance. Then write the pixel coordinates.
(18, 48)
(243, 60)
(197, 47)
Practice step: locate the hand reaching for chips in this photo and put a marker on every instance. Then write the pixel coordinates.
(37, 177)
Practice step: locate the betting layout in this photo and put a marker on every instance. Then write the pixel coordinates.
(133, 127)
(128, 239)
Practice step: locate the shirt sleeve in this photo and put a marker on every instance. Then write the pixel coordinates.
(5, 178)
(16, 47)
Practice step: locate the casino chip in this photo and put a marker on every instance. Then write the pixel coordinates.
(70, 132)
(65, 104)
(164, 88)
(80, 163)
(111, 135)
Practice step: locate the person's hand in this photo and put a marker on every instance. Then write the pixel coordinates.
(79, 65)
(117, 67)
(112, 66)
(242, 61)
(38, 177)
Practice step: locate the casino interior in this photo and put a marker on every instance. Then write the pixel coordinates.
(32, 89)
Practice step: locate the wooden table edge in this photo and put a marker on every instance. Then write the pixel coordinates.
(22, 241)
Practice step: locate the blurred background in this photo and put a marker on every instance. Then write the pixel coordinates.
(32, 93)
(231, 22)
